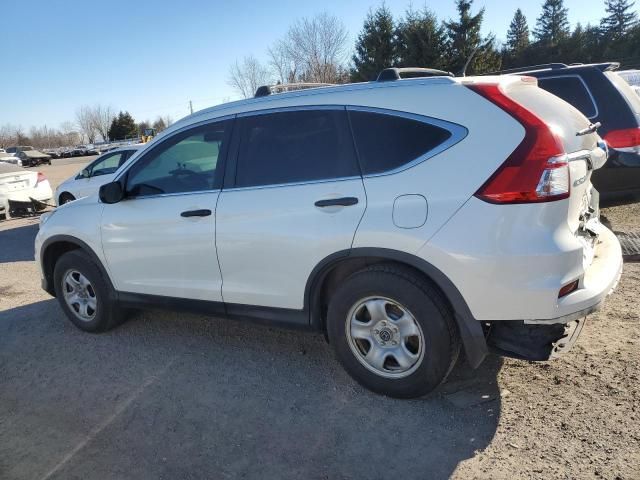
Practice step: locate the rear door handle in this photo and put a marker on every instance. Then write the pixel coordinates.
(337, 202)
(196, 213)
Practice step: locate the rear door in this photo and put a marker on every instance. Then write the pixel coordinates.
(295, 196)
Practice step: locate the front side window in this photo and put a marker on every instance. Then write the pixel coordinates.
(107, 164)
(572, 90)
(186, 162)
(386, 142)
(295, 146)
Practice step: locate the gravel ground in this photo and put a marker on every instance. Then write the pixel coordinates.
(171, 395)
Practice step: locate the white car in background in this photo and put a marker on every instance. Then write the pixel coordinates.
(19, 186)
(94, 175)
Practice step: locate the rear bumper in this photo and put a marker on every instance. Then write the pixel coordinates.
(510, 262)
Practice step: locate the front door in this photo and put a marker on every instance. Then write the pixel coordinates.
(297, 197)
(160, 240)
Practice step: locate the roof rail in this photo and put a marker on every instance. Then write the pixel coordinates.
(552, 66)
(390, 74)
(607, 66)
(266, 90)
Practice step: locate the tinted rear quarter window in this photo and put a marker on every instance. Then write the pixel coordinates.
(386, 142)
(572, 90)
(295, 146)
(631, 97)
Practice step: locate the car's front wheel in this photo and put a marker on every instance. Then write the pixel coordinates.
(84, 294)
(392, 331)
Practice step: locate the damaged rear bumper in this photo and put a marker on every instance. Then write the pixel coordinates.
(544, 339)
(536, 342)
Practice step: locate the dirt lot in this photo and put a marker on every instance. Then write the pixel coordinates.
(182, 396)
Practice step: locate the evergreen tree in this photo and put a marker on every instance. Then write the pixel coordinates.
(376, 46)
(552, 25)
(620, 19)
(421, 40)
(468, 52)
(518, 34)
(123, 126)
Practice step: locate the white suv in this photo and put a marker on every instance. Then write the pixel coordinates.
(404, 219)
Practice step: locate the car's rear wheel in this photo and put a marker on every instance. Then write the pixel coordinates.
(65, 197)
(84, 294)
(392, 331)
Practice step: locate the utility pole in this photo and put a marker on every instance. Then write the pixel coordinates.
(190, 106)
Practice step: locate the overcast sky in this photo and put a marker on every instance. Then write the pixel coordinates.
(151, 58)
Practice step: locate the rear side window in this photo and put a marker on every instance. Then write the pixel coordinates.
(386, 142)
(572, 90)
(626, 90)
(295, 146)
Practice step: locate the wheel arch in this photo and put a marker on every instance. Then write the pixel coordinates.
(56, 246)
(62, 194)
(327, 275)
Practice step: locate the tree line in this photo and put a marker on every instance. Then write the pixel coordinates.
(316, 50)
(92, 124)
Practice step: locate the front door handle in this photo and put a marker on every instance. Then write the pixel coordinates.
(337, 202)
(196, 213)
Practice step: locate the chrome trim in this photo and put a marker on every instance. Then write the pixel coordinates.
(579, 155)
(584, 84)
(292, 184)
(458, 133)
(177, 194)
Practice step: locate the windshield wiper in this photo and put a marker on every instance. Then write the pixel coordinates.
(590, 129)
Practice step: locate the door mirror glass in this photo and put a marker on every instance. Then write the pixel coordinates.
(111, 192)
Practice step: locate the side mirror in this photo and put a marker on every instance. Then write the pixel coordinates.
(111, 192)
(84, 173)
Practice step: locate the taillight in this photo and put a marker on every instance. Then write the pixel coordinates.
(628, 138)
(537, 170)
(41, 178)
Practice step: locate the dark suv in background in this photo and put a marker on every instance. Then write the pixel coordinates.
(602, 96)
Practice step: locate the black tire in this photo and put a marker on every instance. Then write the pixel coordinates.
(107, 314)
(424, 303)
(65, 197)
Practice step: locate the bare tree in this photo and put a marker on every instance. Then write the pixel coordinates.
(8, 135)
(246, 76)
(85, 119)
(317, 47)
(70, 135)
(102, 118)
(284, 67)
